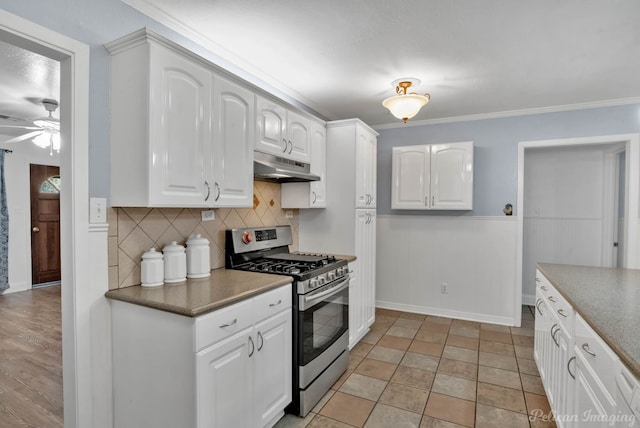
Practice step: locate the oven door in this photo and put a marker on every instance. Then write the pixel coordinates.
(323, 317)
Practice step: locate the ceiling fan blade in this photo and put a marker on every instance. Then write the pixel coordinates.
(19, 126)
(24, 137)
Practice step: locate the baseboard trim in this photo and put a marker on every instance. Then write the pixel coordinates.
(426, 310)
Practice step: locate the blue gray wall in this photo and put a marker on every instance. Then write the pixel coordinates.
(96, 22)
(496, 149)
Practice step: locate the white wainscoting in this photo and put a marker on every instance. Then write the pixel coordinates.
(474, 256)
(564, 240)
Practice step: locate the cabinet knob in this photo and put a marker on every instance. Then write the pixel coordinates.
(35, 230)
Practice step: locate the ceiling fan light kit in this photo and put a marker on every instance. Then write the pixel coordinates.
(405, 105)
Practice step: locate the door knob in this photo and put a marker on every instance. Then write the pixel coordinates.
(35, 230)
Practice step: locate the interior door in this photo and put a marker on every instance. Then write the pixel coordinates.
(45, 223)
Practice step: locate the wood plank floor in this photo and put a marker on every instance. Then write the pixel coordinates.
(31, 359)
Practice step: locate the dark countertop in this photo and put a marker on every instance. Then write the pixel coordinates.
(609, 301)
(198, 296)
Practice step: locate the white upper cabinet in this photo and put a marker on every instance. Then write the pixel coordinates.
(411, 178)
(281, 131)
(366, 155)
(437, 177)
(298, 133)
(232, 155)
(180, 135)
(271, 127)
(312, 194)
(160, 125)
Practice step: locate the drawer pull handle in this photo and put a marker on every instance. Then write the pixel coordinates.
(253, 347)
(568, 368)
(261, 343)
(553, 334)
(561, 312)
(537, 279)
(552, 299)
(585, 346)
(543, 288)
(271, 305)
(235, 320)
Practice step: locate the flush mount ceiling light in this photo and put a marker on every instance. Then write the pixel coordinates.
(405, 106)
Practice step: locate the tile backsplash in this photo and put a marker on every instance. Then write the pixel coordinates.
(132, 231)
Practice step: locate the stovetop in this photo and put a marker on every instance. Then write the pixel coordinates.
(266, 249)
(299, 265)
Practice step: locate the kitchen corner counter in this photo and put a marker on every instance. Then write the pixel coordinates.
(608, 299)
(198, 296)
(349, 259)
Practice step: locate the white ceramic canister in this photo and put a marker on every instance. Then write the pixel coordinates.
(152, 269)
(198, 263)
(175, 263)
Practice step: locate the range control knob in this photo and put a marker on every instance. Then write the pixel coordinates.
(246, 238)
(313, 283)
(331, 276)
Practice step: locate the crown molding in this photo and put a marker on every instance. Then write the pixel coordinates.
(511, 113)
(232, 63)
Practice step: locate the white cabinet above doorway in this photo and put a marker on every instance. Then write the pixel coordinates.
(433, 177)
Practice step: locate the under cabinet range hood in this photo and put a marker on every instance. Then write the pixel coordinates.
(267, 167)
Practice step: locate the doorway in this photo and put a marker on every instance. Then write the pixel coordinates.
(629, 192)
(75, 245)
(570, 196)
(45, 224)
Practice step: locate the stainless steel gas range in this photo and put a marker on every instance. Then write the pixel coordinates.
(320, 306)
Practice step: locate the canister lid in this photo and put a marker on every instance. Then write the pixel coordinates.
(173, 248)
(197, 239)
(152, 254)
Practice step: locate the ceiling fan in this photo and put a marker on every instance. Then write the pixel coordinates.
(44, 131)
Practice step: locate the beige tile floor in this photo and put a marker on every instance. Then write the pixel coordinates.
(430, 372)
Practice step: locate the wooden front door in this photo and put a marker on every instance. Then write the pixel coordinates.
(45, 223)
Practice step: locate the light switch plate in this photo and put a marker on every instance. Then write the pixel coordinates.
(97, 210)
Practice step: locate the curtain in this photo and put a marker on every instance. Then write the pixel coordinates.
(4, 229)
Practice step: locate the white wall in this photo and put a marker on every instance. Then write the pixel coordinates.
(16, 176)
(475, 256)
(563, 209)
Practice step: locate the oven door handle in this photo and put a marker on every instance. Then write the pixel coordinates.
(315, 298)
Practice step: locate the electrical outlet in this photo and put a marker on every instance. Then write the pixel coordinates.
(444, 288)
(208, 215)
(288, 214)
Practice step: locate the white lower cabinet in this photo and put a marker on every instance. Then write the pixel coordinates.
(578, 370)
(362, 297)
(553, 347)
(227, 368)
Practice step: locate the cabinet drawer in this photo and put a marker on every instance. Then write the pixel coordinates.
(597, 354)
(557, 304)
(271, 302)
(225, 322)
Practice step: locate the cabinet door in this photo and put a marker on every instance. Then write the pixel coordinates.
(366, 146)
(363, 301)
(452, 176)
(592, 403)
(355, 308)
(298, 134)
(232, 156)
(224, 379)
(318, 189)
(410, 172)
(272, 363)
(179, 130)
(369, 286)
(565, 384)
(271, 127)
